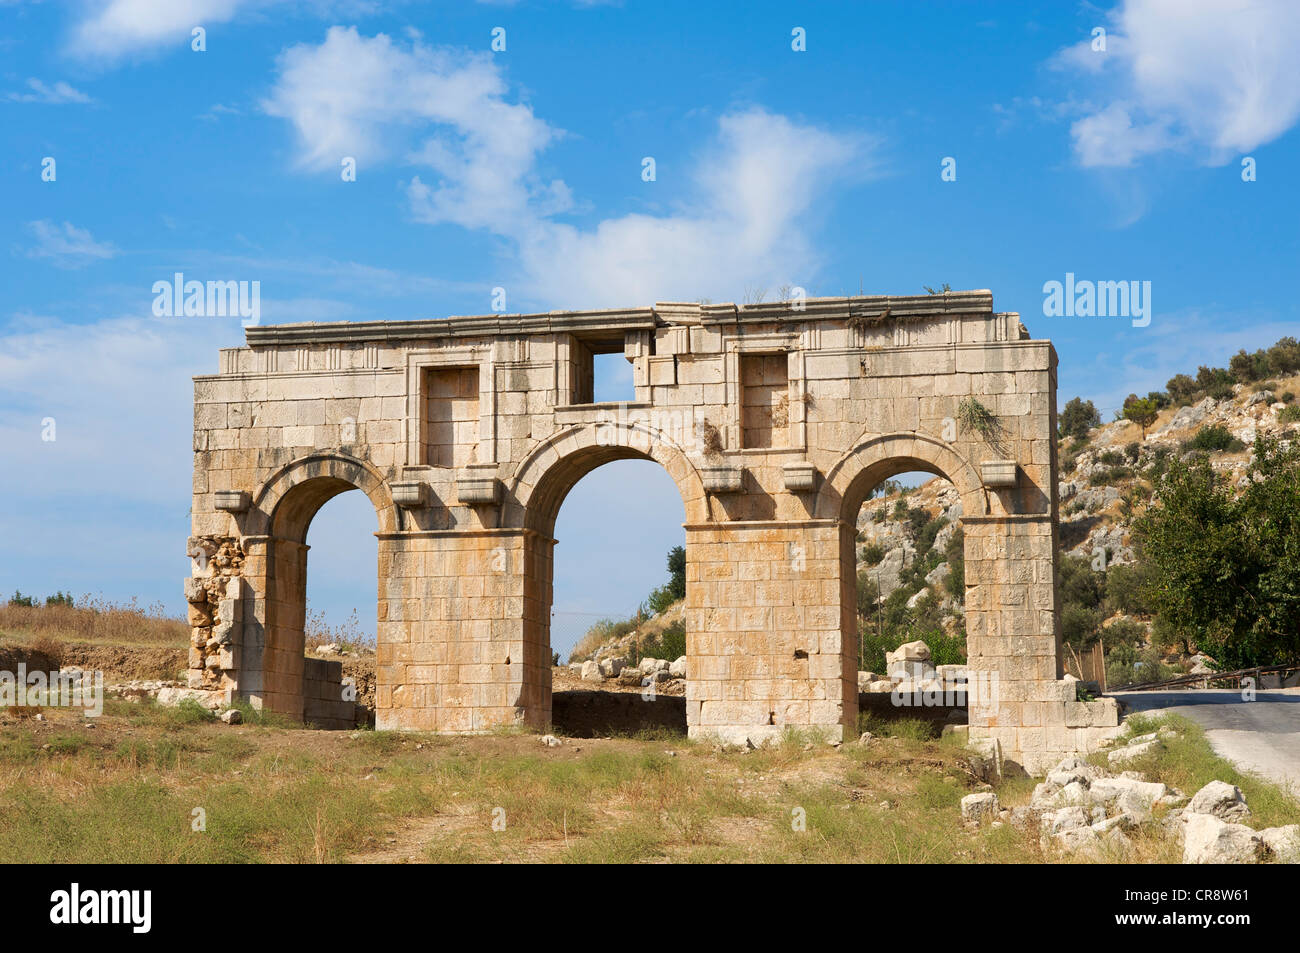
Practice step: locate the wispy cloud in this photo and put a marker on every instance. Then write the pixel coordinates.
(66, 245)
(370, 98)
(446, 114)
(114, 28)
(1211, 78)
(56, 95)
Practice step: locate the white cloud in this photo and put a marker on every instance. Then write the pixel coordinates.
(112, 28)
(446, 114)
(58, 94)
(1214, 78)
(371, 99)
(116, 478)
(747, 223)
(67, 245)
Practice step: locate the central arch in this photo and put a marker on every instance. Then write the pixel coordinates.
(532, 504)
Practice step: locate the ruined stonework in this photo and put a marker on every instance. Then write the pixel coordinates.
(775, 421)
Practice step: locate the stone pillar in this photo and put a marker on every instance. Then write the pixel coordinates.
(1014, 646)
(463, 630)
(764, 644)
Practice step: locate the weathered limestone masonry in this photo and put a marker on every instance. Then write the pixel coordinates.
(775, 421)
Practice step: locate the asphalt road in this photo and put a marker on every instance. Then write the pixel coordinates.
(1262, 736)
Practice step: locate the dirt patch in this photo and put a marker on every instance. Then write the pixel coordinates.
(11, 656)
(127, 662)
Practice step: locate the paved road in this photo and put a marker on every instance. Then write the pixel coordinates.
(1262, 736)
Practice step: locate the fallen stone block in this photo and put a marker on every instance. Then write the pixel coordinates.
(1283, 843)
(1210, 840)
(979, 807)
(1220, 799)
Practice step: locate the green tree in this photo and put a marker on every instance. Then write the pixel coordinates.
(661, 597)
(1225, 568)
(677, 571)
(1141, 410)
(1077, 418)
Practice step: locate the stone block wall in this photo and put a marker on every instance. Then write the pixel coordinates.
(764, 643)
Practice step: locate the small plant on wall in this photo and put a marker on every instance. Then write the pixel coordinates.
(974, 417)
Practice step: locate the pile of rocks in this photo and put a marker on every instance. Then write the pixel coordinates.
(908, 669)
(647, 672)
(1084, 807)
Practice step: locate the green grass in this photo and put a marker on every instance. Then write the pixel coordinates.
(1188, 763)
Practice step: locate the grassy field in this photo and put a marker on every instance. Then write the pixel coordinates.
(125, 788)
(165, 785)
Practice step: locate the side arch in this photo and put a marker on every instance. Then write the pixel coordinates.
(546, 475)
(285, 504)
(881, 456)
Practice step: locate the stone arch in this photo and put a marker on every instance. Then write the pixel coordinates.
(881, 456)
(284, 505)
(545, 477)
(873, 459)
(276, 674)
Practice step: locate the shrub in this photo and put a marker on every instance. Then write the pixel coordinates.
(1124, 632)
(1289, 415)
(1124, 589)
(925, 538)
(674, 590)
(1077, 418)
(1141, 411)
(872, 554)
(1182, 389)
(21, 601)
(604, 630)
(669, 644)
(1080, 625)
(944, 649)
(1126, 665)
(1215, 438)
(955, 555)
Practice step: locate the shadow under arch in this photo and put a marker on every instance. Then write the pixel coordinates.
(275, 671)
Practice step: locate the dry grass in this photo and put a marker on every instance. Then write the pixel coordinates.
(94, 621)
(126, 790)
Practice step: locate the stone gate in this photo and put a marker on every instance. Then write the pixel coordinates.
(775, 421)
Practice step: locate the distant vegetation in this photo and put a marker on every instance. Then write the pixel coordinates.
(669, 642)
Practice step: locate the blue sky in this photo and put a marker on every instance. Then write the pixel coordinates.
(523, 169)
